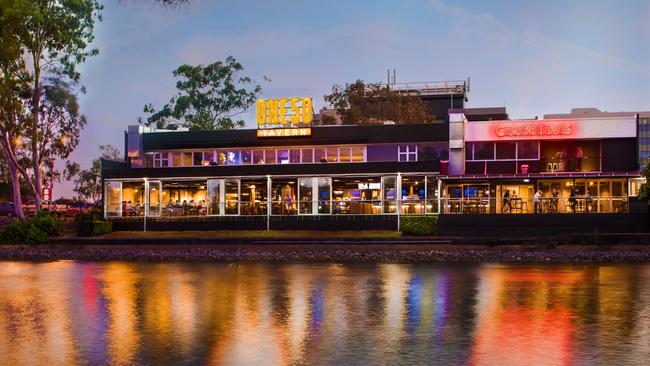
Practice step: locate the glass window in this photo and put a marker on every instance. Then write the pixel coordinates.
(432, 195)
(389, 188)
(407, 153)
(332, 154)
(177, 159)
(483, 151)
(133, 198)
(506, 150)
(184, 198)
(232, 196)
(319, 156)
(413, 195)
(214, 197)
(307, 155)
(197, 159)
(294, 156)
(282, 157)
(469, 151)
(528, 150)
(344, 154)
(187, 159)
(154, 198)
(233, 157)
(160, 160)
(258, 156)
(284, 196)
(358, 154)
(305, 195)
(208, 158)
(253, 197)
(324, 195)
(113, 199)
(270, 156)
(245, 156)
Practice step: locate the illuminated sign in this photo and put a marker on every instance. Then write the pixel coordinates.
(537, 129)
(284, 132)
(284, 111)
(551, 129)
(369, 186)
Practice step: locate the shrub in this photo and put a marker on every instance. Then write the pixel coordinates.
(36, 230)
(48, 222)
(102, 227)
(419, 225)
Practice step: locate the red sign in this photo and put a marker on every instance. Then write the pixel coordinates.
(542, 129)
(46, 193)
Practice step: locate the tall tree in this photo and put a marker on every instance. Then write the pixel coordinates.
(13, 79)
(87, 182)
(209, 98)
(55, 35)
(361, 103)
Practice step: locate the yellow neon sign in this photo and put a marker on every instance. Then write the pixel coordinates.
(284, 111)
(284, 132)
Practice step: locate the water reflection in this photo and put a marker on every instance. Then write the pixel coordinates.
(67, 313)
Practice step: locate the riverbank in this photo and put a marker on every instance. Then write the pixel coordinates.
(378, 253)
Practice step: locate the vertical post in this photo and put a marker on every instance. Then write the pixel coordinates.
(439, 195)
(146, 204)
(269, 202)
(398, 197)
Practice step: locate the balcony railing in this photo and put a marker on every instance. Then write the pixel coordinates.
(483, 205)
(528, 205)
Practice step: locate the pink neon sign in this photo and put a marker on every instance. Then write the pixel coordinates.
(536, 129)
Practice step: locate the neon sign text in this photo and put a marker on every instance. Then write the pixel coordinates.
(531, 129)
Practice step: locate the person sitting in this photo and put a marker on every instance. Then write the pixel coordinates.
(186, 208)
(129, 208)
(138, 209)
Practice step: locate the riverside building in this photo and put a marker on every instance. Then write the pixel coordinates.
(290, 173)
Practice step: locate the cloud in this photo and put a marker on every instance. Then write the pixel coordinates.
(490, 27)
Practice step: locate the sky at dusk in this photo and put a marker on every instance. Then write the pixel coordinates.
(534, 58)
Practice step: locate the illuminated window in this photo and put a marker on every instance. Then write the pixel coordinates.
(407, 153)
(307, 155)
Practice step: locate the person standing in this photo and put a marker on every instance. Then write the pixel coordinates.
(579, 155)
(537, 201)
(506, 202)
(572, 200)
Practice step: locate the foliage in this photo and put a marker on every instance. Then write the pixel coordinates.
(102, 227)
(87, 182)
(419, 225)
(361, 103)
(53, 37)
(209, 98)
(36, 230)
(644, 191)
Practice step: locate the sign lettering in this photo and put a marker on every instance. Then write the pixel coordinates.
(527, 129)
(284, 132)
(284, 112)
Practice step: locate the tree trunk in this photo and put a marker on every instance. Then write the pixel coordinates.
(36, 99)
(15, 180)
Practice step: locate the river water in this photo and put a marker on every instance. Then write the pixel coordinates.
(67, 313)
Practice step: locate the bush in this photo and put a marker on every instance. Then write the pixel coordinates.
(419, 225)
(48, 222)
(36, 230)
(102, 227)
